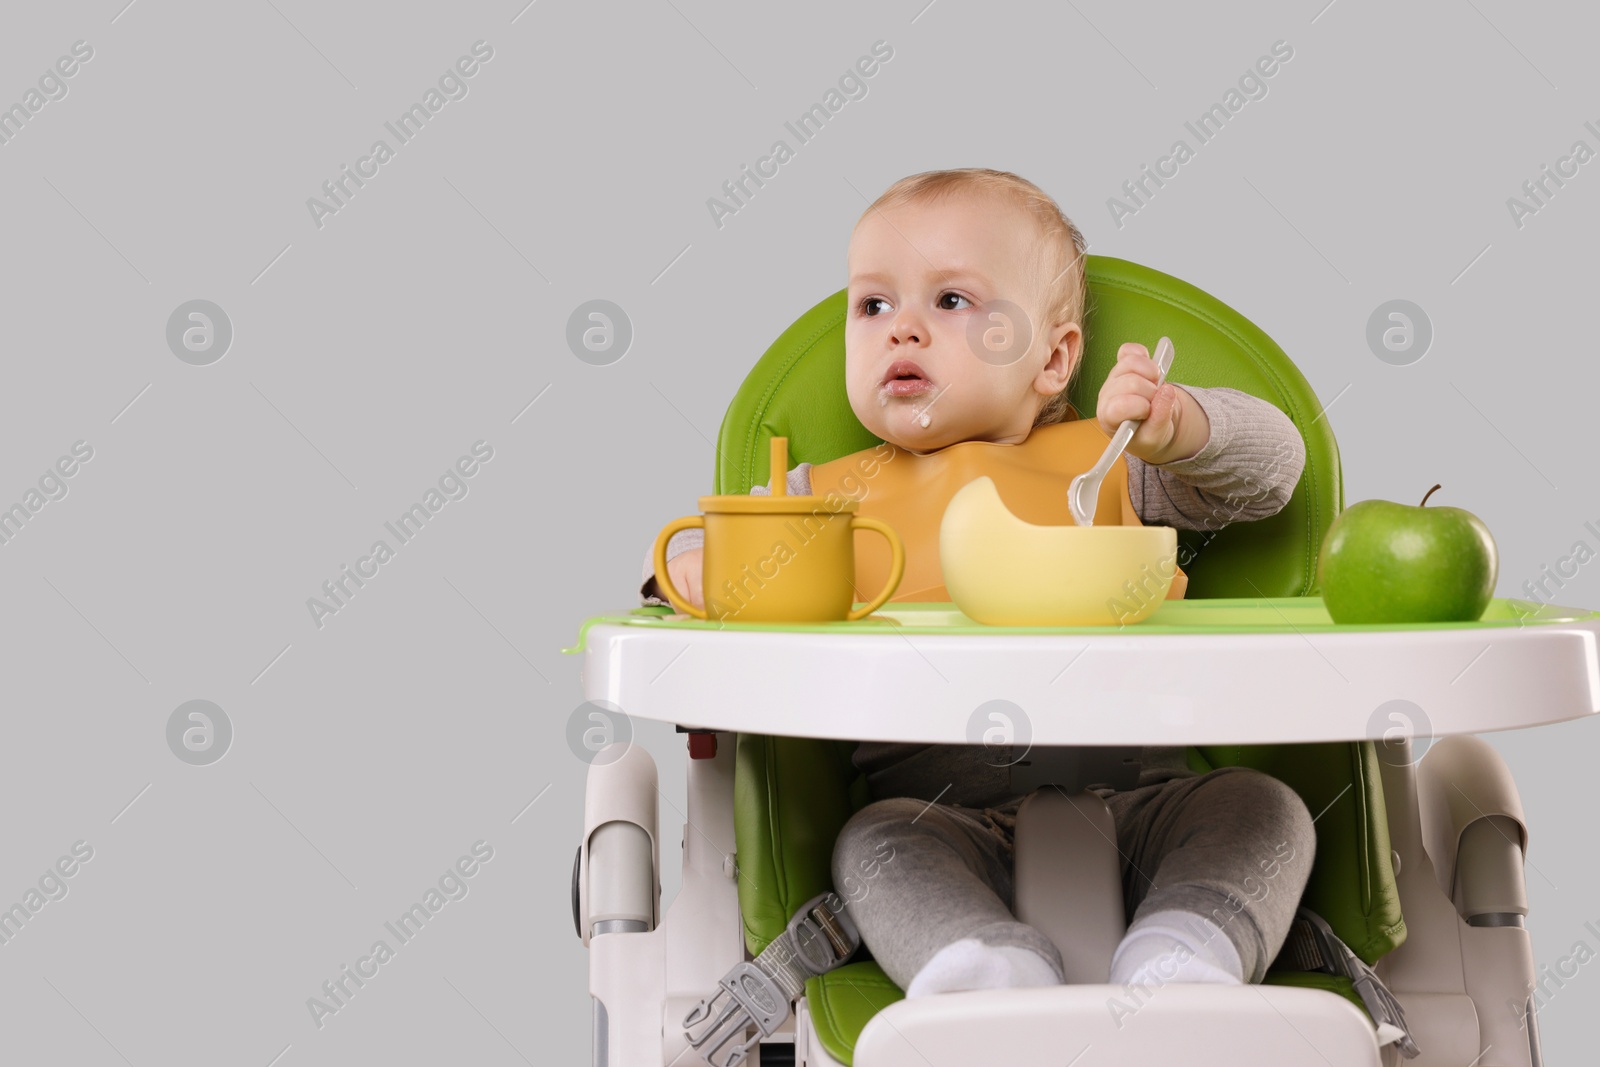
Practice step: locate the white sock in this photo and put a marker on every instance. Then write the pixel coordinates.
(971, 964)
(1176, 946)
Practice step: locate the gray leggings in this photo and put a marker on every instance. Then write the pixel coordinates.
(1234, 845)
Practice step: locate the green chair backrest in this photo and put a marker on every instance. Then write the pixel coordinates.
(792, 795)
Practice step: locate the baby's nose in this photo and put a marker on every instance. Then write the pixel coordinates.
(906, 332)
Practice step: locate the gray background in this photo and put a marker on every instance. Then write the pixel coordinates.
(370, 353)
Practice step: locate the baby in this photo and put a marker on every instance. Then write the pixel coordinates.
(1213, 865)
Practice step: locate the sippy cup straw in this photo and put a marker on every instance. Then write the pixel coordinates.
(779, 481)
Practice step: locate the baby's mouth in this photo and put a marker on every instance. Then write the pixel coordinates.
(905, 378)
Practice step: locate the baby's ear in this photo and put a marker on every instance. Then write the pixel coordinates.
(1066, 341)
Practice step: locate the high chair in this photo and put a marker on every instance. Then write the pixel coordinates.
(1418, 866)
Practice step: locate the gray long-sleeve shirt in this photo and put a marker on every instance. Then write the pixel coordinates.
(1246, 470)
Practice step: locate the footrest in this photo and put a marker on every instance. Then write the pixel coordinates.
(1243, 1026)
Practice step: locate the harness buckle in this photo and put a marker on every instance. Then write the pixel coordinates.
(759, 992)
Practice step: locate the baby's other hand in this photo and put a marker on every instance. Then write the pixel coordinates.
(1130, 392)
(685, 571)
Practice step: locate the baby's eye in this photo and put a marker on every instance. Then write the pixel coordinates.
(946, 296)
(868, 305)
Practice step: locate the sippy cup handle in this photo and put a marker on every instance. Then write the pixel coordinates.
(897, 566)
(663, 578)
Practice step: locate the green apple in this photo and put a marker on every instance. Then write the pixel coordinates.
(1384, 562)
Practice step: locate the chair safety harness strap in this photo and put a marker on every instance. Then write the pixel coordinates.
(819, 938)
(1313, 946)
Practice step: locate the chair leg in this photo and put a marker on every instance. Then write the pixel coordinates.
(1465, 974)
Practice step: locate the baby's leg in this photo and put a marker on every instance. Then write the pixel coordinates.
(929, 887)
(1216, 866)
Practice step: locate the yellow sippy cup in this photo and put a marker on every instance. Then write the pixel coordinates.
(778, 558)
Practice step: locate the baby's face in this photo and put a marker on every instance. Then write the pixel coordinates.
(933, 290)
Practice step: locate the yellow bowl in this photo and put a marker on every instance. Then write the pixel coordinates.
(1002, 571)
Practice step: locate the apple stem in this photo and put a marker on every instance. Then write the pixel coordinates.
(1428, 494)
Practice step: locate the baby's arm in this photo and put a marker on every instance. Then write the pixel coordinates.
(1246, 470)
(799, 482)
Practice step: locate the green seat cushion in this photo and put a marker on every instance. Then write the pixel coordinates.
(842, 1001)
(791, 797)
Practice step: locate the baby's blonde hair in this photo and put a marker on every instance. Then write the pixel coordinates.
(1059, 252)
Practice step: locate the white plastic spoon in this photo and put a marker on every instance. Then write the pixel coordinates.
(1084, 491)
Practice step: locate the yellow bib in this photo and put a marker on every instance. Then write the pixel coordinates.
(910, 492)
